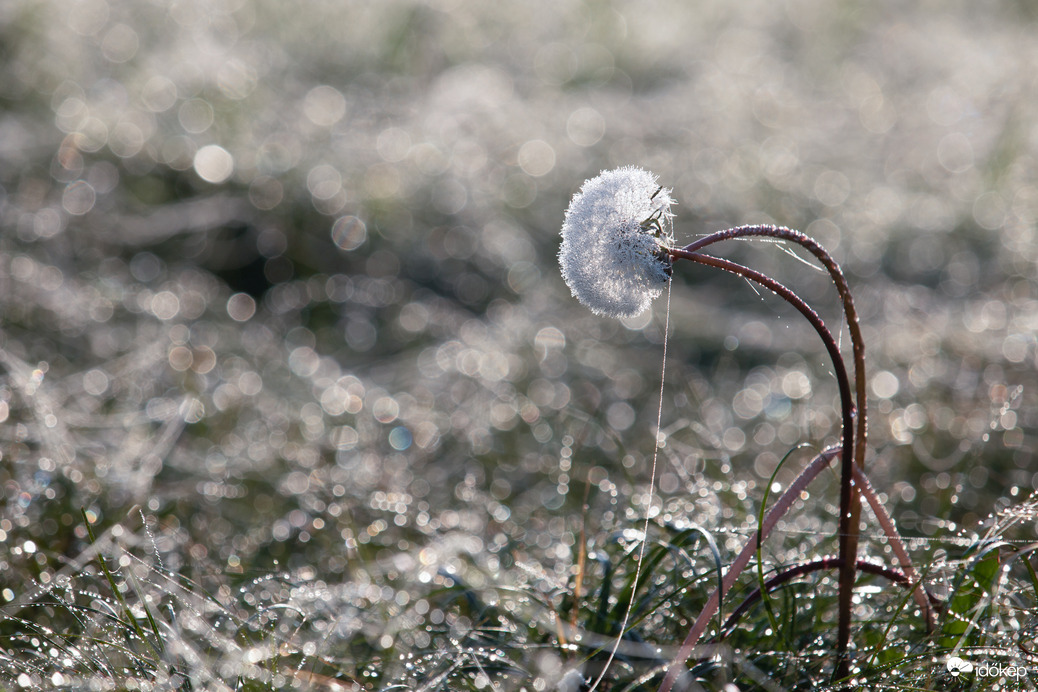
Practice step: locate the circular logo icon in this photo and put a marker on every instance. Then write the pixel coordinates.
(957, 666)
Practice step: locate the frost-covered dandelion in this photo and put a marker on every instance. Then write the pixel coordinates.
(615, 242)
(617, 253)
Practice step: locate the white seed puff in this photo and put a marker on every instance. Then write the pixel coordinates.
(614, 238)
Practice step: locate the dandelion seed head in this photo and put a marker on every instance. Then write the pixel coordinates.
(614, 239)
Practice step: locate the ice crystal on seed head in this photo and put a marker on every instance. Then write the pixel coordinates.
(614, 236)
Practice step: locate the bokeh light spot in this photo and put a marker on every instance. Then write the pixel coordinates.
(241, 307)
(400, 438)
(159, 94)
(349, 232)
(178, 152)
(393, 144)
(385, 409)
(885, 384)
(165, 305)
(585, 127)
(195, 116)
(236, 79)
(95, 382)
(265, 193)
(324, 182)
(620, 415)
(126, 139)
(88, 17)
(180, 358)
(120, 44)
(989, 211)
(78, 198)
(324, 106)
(213, 163)
(536, 158)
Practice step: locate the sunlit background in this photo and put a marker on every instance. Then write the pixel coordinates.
(279, 293)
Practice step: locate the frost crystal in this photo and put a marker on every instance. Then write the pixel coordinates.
(614, 236)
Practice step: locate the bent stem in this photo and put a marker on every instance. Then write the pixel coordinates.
(782, 506)
(922, 597)
(853, 449)
(784, 292)
(824, 563)
(847, 407)
(850, 502)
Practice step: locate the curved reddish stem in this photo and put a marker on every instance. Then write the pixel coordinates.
(820, 564)
(850, 502)
(780, 507)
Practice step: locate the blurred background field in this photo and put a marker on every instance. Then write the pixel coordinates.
(280, 316)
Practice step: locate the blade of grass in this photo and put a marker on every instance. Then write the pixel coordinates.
(902, 603)
(966, 600)
(131, 619)
(1030, 569)
(765, 596)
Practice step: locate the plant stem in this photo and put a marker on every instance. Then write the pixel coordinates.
(850, 502)
(840, 370)
(921, 595)
(815, 566)
(781, 506)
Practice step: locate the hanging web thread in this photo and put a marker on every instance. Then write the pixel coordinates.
(648, 504)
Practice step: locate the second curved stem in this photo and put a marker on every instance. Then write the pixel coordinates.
(850, 502)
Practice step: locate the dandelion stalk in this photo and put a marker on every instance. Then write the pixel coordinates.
(922, 597)
(805, 568)
(616, 255)
(847, 412)
(850, 501)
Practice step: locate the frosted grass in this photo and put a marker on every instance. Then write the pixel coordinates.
(350, 365)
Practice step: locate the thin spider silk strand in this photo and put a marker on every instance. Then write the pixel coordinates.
(648, 510)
